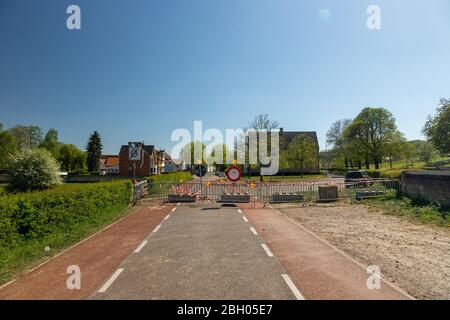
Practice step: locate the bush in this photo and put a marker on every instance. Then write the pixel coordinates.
(33, 169)
(33, 215)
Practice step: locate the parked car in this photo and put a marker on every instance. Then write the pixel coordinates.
(357, 179)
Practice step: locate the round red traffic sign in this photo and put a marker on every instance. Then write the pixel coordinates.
(234, 173)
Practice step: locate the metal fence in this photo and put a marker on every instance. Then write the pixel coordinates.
(271, 192)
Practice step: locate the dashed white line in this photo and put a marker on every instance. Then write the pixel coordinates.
(239, 210)
(254, 231)
(167, 217)
(245, 219)
(173, 209)
(293, 288)
(110, 281)
(139, 248)
(267, 250)
(157, 228)
(178, 204)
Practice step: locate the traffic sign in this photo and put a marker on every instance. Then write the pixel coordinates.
(200, 170)
(134, 151)
(234, 173)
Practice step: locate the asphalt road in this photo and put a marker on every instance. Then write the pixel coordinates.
(199, 253)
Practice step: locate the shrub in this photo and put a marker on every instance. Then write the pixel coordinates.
(33, 169)
(33, 215)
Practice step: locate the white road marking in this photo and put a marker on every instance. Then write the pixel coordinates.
(293, 288)
(254, 231)
(267, 250)
(178, 204)
(245, 219)
(139, 248)
(167, 217)
(110, 281)
(157, 228)
(173, 209)
(239, 210)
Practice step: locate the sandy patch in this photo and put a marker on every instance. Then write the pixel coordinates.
(415, 257)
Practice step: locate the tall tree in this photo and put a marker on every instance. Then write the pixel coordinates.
(337, 138)
(395, 146)
(71, 158)
(50, 142)
(437, 127)
(263, 122)
(94, 152)
(7, 147)
(27, 136)
(301, 152)
(217, 156)
(188, 153)
(426, 152)
(371, 128)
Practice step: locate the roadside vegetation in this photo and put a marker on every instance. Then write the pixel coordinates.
(38, 224)
(175, 177)
(413, 209)
(371, 141)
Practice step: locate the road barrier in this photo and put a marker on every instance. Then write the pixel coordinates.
(270, 192)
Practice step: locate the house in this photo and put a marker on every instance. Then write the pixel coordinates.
(286, 138)
(163, 160)
(109, 164)
(146, 162)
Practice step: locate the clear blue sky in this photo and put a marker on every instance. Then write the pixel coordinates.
(139, 69)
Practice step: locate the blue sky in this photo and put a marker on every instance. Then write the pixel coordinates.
(140, 69)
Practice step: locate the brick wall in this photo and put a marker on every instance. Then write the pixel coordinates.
(431, 186)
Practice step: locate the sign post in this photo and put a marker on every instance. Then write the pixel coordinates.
(134, 154)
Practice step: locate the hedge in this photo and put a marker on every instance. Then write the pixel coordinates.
(33, 215)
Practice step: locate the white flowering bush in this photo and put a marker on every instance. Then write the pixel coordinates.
(33, 169)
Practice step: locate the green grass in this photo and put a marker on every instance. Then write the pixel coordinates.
(175, 177)
(404, 207)
(24, 255)
(3, 187)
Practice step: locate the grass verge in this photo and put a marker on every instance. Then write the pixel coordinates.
(26, 254)
(404, 207)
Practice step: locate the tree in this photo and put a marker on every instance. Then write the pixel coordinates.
(371, 128)
(426, 152)
(33, 169)
(262, 122)
(50, 142)
(7, 146)
(301, 152)
(27, 136)
(337, 138)
(218, 156)
(395, 146)
(71, 158)
(437, 127)
(94, 152)
(188, 153)
(259, 124)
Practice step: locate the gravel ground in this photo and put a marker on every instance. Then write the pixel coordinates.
(415, 257)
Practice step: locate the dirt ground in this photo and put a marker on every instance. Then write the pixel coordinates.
(415, 257)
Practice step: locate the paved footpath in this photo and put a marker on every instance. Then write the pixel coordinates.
(196, 253)
(319, 270)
